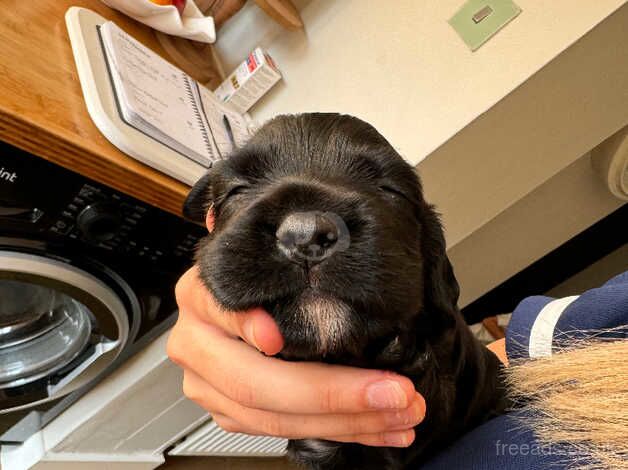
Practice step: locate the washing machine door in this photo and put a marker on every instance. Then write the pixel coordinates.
(60, 327)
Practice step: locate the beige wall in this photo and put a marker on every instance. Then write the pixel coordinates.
(557, 210)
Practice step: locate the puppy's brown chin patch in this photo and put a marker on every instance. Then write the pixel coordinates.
(326, 316)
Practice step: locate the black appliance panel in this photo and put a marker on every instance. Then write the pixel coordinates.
(40, 199)
(130, 245)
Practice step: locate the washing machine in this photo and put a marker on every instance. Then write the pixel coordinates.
(87, 278)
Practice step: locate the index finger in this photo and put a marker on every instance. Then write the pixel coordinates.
(254, 326)
(256, 381)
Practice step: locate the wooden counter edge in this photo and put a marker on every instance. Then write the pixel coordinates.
(132, 178)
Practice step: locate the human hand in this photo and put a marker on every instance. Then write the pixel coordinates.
(253, 393)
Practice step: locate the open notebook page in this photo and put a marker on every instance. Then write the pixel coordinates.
(156, 97)
(228, 128)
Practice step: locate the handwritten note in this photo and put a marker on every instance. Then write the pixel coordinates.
(155, 97)
(166, 104)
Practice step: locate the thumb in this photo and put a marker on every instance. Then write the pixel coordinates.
(260, 330)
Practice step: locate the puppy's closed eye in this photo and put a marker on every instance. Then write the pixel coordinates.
(393, 192)
(235, 191)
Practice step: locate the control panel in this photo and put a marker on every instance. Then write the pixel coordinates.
(118, 223)
(47, 201)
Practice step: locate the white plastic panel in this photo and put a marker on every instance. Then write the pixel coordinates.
(125, 422)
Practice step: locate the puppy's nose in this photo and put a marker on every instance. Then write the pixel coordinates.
(311, 236)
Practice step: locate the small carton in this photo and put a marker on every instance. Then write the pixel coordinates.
(249, 81)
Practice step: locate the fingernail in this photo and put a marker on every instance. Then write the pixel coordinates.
(406, 418)
(386, 394)
(397, 439)
(249, 331)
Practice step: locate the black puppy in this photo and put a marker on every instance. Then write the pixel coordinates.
(321, 222)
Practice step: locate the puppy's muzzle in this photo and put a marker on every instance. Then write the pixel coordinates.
(311, 237)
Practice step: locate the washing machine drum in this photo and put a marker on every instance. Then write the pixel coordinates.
(60, 327)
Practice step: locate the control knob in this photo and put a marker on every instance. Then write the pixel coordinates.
(99, 222)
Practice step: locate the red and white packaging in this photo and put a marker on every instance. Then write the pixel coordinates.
(249, 81)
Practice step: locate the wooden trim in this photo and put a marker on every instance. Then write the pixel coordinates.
(491, 325)
(133, 178)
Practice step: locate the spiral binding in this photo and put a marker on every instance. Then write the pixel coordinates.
(197, 112)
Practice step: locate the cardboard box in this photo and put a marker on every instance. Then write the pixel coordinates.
(249, 81)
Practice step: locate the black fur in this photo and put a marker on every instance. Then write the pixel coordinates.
(395, 278)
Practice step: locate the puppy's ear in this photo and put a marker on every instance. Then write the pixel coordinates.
(441, 288)
(198, 200)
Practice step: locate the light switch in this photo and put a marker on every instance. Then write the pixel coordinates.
(482, 14)
(478, 20)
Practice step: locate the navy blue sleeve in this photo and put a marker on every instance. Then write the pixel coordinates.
(503, 443)
(538, 326)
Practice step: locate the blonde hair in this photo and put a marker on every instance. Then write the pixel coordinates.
(577, 401)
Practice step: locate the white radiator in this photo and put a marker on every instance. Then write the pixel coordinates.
(209, 439)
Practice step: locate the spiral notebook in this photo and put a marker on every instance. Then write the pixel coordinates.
(166, 104)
